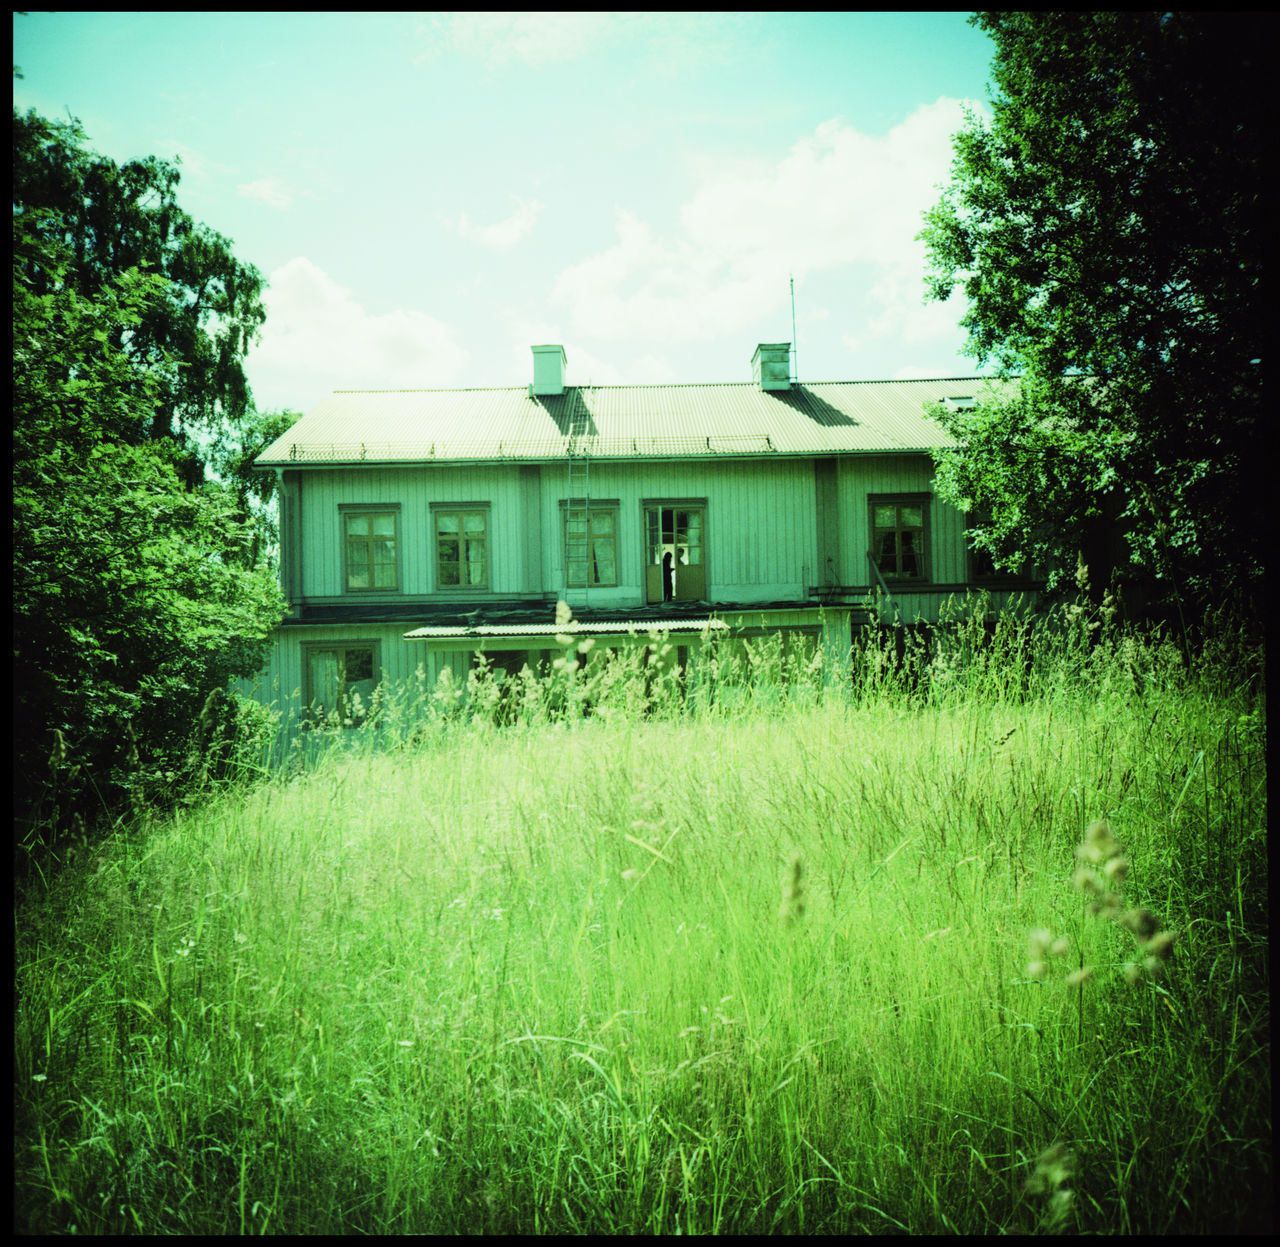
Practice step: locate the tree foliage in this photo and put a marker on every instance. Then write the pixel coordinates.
(1107, 224)
(192, 337)
(136, 589)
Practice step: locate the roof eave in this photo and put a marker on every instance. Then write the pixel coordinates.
(815, 452)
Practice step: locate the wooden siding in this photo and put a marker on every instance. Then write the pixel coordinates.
(760, 537)
(931, 605)
(416, 489)
(862, 478)
(774, 527)
(282, 682)
(281, 685)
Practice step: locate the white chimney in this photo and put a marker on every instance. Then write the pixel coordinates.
(548, 370)
(771, 366)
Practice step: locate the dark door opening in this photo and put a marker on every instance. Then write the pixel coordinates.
(675, 565)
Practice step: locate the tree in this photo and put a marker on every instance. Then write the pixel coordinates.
(136, 590)
(1107, 230)
(192, 337)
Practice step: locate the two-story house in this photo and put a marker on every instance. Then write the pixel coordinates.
(420, 527)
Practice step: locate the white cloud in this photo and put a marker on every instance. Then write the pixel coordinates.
(317, 338)
(839, 197)
(671, 43)
(195, 164)
(583, 367)
(269, 190)
(503, 234)
(535, 38)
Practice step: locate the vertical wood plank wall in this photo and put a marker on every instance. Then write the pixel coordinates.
(771, 525)
(774, 528)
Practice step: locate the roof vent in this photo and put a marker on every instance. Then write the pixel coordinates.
(771, 366)
(548, 370)
(963, 403)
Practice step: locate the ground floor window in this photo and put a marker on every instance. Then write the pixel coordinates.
(340, 679)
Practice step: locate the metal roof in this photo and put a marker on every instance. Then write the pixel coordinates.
(620, 421)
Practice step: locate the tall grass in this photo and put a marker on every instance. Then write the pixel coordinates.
(775, 951)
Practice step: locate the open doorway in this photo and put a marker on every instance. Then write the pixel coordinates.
(675, 568)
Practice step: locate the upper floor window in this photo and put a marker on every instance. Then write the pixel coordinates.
(591, 543)
(371, 549)
(982, 565)
(899, 536)
(462, 550)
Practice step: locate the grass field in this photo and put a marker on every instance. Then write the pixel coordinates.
(974, 948)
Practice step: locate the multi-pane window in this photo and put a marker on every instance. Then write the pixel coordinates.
(899, 528)
(340, 680)
(462, 559)
(371, 550)
(591, 545)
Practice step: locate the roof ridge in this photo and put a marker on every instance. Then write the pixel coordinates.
(655, 385)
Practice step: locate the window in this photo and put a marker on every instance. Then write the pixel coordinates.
(590, 544)
(340, 680)
(370, 539)
(462, 557)
(675, 553)
(899, 533)
(981, 564)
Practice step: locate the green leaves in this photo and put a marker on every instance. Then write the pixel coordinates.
(1108, 223)
(135, 589)
(124, 219)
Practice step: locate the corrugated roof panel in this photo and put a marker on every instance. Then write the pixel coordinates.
(655, 421)
(575, 628)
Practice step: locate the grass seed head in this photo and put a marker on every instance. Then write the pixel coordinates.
(1054, 1166)
(792, 905)
(1100, 844)
(1060, 1205)
(58, 758)
(1140, 921)
(1108, 905)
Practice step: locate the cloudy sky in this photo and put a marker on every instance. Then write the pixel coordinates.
(429, 195)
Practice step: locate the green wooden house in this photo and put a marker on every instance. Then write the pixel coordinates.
(421, 527)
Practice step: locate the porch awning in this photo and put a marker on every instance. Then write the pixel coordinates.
(634, 627)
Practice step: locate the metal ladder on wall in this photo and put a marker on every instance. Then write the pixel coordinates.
(577, 545)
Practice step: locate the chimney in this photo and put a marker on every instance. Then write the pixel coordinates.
(771, 366)
(548, 370)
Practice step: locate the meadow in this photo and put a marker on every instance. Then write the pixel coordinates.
(971, 939)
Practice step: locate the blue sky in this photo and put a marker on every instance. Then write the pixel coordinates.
(431, 194)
